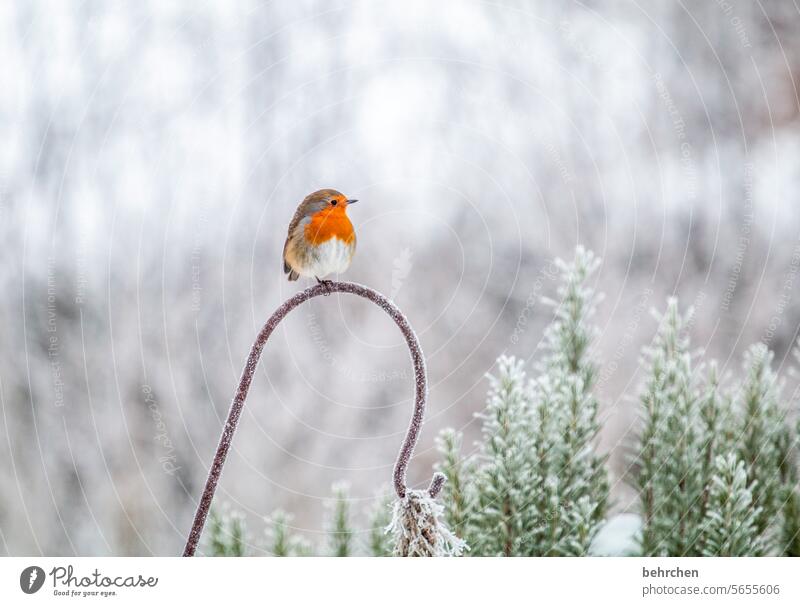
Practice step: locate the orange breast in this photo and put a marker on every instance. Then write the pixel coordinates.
(329, 223)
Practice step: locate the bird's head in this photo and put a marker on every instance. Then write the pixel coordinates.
(328, 200)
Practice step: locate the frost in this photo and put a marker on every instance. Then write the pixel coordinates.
(726, 484)
(418, 530)
(537, 486)
(730, 527)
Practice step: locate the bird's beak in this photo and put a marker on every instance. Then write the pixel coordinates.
(349, 202)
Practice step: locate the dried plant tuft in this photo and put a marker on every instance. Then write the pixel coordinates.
(418, 529)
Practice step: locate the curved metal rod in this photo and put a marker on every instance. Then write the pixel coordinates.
(420, 396)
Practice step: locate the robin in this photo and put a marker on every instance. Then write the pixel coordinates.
(321, 239)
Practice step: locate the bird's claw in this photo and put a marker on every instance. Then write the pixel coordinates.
(326, 285)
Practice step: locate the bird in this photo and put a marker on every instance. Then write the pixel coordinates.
(321, 239)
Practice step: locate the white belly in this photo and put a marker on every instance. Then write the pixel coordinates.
(331, 257)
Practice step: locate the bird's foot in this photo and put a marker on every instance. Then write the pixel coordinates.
(327, 285)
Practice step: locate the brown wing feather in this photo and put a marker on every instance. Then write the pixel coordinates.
(298, 215)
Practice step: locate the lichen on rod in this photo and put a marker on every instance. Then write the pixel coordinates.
(409, 442)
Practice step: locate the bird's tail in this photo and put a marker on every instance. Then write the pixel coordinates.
(287, 269)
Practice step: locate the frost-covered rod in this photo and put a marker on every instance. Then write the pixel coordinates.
(420, 396)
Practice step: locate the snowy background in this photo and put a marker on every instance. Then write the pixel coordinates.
(152, 154)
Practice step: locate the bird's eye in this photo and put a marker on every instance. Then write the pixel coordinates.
(334, 202)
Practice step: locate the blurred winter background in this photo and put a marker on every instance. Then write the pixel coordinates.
(152, 154)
